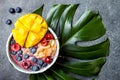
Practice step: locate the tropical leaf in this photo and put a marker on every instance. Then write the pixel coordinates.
(84, 32)
(88, 27)
(60, 75)
(39, 10)
(48, 76)
(54, 15)
(66, 21)
(40, 77)
(87, 53)
(33, 77)
(89, 68)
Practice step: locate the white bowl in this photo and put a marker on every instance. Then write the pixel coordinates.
(27, 71)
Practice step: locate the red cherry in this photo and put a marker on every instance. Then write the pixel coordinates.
(15, 47)
(48, 59)
(44, 42)
(49, 36)
(26, 64)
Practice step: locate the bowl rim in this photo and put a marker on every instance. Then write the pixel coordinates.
(27, 71)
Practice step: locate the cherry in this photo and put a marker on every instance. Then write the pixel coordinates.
(44, 42)
(49, 36)
(48, 59)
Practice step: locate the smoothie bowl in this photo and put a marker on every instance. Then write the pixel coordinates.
(32, 47)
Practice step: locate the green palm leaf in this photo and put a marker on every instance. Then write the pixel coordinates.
(40, 77)
(60, 75)
(86, 53)
(33, 77)
(39, 10)
(89, 68)
(88, 27)
(48, 76)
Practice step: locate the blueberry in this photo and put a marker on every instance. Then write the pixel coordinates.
(39, 66)
(35, 68)
(40, 62)
(12, 42)
(31, 67)
(12, 10)
(13, 52)
(44, 65)
(34, 59)
(18, 10)
(26, 56)
(20, 52)
(33, 50)
(9, 22)
(18, 58)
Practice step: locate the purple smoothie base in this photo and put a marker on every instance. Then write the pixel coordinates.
(29, 60)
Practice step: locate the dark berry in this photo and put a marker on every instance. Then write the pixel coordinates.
(26, 56)
(34, 59)
(40, 62)
(33, 50)
(12, 10)
(12, 42)
(31, 67)
(9, 22)
(18, 10)
(44, 65)
(20, 52)
(13, 52)
(35, 68)
(18, 58)
(39, 66)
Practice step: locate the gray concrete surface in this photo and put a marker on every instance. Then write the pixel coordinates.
(109, 10)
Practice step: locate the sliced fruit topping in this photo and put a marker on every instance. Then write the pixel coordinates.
(29, 30)
(15, 47)
(48, 59)
(34, 59)
(18, 10)
(18, 58)
(9, 22)
(26, 56)
(49, 36)
(44, 42)
(26, 64)
(33, 50)
(19, 35)
(20, 52)
(12, 10)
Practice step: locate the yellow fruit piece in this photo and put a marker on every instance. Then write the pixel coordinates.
(18, 35)
(29, 30)
(36, 28)
(32, 37)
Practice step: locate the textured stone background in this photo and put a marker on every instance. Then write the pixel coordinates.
(108, 9)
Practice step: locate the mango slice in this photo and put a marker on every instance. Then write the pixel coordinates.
(29, 30)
